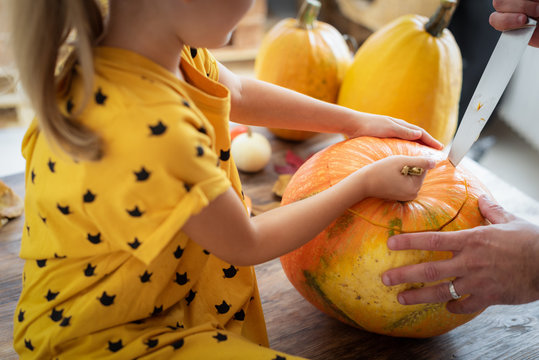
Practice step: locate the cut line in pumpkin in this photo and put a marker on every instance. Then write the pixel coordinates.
(466, 197)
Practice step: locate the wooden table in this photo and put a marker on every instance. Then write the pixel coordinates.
(296, 327)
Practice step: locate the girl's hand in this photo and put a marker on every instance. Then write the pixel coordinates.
(383, 178)
(385, 126)
(512, 14)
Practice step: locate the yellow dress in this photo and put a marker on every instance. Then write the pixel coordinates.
(108, 272)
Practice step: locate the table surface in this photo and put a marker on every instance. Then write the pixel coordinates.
(295, 326)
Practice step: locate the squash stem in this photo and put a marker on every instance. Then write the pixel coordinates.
(308, 13)
(441, 18)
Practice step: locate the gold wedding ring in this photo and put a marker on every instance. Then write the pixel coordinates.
(412, 170)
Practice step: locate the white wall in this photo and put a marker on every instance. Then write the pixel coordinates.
(519, 107)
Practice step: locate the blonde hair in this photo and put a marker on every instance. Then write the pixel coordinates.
(40, 33)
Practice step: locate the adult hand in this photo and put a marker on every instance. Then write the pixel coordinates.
(385, 126)
(493, 264)
(512, 14)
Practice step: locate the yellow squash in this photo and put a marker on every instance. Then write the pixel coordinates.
(304, 55)
(410, 69)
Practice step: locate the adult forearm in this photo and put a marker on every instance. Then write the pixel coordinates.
(263, 104)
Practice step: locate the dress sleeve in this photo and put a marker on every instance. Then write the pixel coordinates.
(158, 170)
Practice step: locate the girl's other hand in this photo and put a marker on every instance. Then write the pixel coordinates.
(386, 126)
(383, 178)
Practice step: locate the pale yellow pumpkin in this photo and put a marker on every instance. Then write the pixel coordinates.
(410, 69)
(305, 55)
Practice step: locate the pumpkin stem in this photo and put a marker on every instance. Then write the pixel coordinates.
(308, 13)
(441, 19)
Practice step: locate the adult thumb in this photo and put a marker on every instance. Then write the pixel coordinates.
(493, 211)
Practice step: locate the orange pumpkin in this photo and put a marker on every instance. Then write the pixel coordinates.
(339, 271)
(305, 55)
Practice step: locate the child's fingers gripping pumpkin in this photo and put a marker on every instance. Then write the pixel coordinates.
(386, 126)
(408, 131)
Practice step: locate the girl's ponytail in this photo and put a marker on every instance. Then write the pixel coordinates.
(41, 30)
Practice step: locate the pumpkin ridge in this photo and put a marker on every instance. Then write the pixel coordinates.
(399, 230)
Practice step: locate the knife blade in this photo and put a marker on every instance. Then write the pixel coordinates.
(496, 76)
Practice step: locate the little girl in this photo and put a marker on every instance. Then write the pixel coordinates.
(137, 242)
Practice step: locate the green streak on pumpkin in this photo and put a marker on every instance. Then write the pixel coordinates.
(395, 224)
(341, 224)
(413, 318)
(311, 281)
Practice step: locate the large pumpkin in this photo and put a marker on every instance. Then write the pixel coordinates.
(339, 271)
(410, 69)
(304, 55)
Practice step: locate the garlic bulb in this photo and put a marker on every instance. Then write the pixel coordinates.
(251, 151)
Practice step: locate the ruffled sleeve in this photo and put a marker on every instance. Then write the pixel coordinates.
(203, 60)
(29, 143)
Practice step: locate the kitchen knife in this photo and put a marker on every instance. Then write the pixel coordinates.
(496, 76)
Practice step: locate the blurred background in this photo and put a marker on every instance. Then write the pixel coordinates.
(508, 146)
